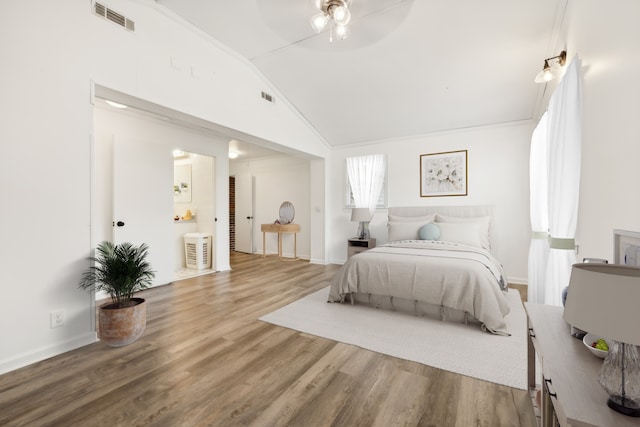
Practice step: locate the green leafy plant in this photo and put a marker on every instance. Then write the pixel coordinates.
(119, 270)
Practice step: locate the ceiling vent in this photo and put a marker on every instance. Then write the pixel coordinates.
(113, 16)
(268, 97)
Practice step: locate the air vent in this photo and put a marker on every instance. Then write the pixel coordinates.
(268, 97)
(113, 16)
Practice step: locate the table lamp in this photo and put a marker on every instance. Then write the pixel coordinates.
(604, 299)
(362, 215)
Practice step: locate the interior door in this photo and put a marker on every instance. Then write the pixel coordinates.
(143, 201)
(244, 212)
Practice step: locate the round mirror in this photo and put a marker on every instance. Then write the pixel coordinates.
(287, 213)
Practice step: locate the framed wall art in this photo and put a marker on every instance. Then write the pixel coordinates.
(182, 184)
(443, 174)
(626, 247)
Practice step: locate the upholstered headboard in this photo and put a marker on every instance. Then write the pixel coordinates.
(452, 211)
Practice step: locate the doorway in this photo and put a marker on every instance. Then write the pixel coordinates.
(193, 214)
(244, 198)
(149, 182)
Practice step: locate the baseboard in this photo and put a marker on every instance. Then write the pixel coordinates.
(518, 281)
(318, 261)
(34, 356)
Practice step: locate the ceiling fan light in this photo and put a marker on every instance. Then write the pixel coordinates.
(342, 31)
(319, 21)
(341, 15)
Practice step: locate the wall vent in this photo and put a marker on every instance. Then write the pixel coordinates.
(113, 16)
(268, 97)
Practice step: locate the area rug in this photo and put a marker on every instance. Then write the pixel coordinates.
(455, 347)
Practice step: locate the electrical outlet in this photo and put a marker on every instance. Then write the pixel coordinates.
(57, 318)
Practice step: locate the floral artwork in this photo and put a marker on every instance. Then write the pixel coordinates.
(443, 174)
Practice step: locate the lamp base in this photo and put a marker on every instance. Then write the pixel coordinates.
(629, 408)
(363, 230)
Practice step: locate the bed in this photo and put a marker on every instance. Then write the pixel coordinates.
(455, 277)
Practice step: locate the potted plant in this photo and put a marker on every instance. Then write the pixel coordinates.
(120, 270)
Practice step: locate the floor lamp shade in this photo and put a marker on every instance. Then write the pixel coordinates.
(603, 299)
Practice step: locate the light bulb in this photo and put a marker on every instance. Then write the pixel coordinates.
(342, 32)
(545, 75)
(319, 21)
(341, 15)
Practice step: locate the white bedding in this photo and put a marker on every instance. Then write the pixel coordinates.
(446, 274)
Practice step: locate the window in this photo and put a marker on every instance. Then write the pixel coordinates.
(349, 200)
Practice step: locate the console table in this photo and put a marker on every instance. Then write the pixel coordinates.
(571, 394)
(280, 229)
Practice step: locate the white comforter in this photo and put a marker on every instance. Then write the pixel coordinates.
(447, 274)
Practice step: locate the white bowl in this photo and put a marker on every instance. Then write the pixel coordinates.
(591, 338)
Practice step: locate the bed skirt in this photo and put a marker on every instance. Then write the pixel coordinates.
(417, 308)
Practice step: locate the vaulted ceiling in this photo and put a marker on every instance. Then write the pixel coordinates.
(409, 67)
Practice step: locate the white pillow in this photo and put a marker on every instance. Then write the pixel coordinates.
(421, 218)
(483, 226)
(467, 233)
(404, 230)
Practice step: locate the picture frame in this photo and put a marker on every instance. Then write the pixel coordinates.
(443, 174)
(182, 184)
(626, 247)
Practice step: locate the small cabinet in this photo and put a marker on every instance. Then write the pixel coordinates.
(355, 246)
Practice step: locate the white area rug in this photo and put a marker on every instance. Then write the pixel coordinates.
(455, 347)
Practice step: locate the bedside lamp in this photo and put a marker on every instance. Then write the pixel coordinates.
(603, 299)
(362, 215)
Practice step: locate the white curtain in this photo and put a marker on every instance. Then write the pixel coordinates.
(539, 214)
(366, 177)
(563, 154)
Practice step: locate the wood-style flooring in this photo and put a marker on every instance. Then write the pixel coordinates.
(205, 360)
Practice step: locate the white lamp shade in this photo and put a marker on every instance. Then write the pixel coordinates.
(544, 76)
(360, 214)
(605, 299)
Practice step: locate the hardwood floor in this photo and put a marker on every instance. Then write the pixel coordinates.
(205, 360)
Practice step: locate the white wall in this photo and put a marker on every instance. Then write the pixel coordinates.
(498, 168)
(49, 61)
(606, 38)
(277, 180)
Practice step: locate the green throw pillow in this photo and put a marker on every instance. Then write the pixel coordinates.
(429, 232)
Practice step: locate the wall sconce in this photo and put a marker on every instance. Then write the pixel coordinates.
(547, 74)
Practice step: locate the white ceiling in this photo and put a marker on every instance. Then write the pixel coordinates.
(408, 68)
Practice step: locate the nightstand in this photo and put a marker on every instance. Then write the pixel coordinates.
(355, 246)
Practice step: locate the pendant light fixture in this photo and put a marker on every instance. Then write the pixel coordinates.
(335, 14)
(547, 74)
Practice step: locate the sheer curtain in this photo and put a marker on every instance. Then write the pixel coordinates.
(539, 248)
(366, 177)
(563, 154)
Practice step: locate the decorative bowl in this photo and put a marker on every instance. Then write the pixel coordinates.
(588, 340)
